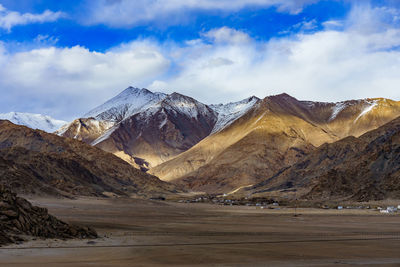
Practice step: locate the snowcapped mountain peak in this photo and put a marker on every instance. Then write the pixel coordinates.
(34, 121)
(228, 113)
(186, 105)
(178, 98)
(134, 91)
(127, 103)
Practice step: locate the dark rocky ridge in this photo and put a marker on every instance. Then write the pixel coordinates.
(18, 217)
(33, 162)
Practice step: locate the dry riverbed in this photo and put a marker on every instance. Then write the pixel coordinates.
(150, 233)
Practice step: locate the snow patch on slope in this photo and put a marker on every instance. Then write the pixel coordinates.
(105, 136)
(230, 112)
(336, 109)
(34, 121)
(370, 106)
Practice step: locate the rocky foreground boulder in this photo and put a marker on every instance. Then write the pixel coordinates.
(18, 218)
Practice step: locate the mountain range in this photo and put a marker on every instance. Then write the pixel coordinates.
(220, 148)
(34, 121)
(276, 146)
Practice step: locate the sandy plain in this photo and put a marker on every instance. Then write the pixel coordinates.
(158, 233)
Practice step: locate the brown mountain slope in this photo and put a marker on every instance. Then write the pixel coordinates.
(255, 145)
(35, 162)
(161, 133)
(18, 217)
(362, 169)
(276, 132)
(144, 128)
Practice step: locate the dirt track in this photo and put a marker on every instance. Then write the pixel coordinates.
(142, 233)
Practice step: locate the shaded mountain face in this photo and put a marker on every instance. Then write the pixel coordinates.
(147, 129)
(35, 162)
(360, 169)
(18, 217)
(161, 131)
(34, 121)
(276, 132)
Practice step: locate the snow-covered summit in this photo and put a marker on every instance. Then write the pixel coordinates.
(129, 102)
(34, 121)
(228, 113)
(186, 105)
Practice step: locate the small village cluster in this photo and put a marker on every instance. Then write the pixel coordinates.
(270, 204)
(387, 210)
(390, 209)
(220, 200)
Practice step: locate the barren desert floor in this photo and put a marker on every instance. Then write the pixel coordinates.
(156, 233)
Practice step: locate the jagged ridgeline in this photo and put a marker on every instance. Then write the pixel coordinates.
(220, 148)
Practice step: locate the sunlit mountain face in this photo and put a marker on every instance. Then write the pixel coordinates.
(219, 148)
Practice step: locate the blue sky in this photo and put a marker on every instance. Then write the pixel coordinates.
(261, 23)
(62, 58)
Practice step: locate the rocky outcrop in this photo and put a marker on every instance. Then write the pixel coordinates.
(19, 217)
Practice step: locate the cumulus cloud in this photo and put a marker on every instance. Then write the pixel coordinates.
(9, 19)
(70, 81)
(226, 35)
(360, 60)
(127, 13)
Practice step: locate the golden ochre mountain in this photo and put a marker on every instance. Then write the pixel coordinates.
(276, 132)
(361, 169)
(39, 163)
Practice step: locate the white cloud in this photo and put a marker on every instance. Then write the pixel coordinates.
(226, 35)
(360, 61)
(9, 19)
(306, 25)
(127, 13)
(333, 24)
(73, 80)
(367, 19)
